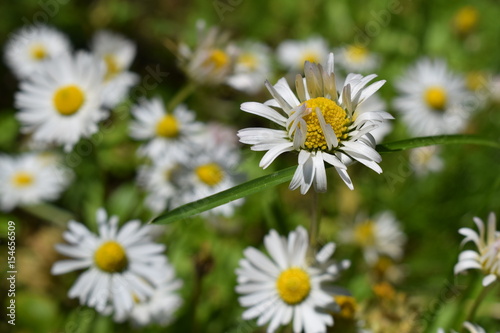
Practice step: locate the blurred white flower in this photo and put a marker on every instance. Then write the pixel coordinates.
(288, 287)
(118, 54)
(31, 47)
(433, 100)
(356, 59)
(293, 53)
(62, 103)
(471, 328)
(426, 159)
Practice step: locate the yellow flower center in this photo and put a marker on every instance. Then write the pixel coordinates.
(357, 53)
(466, 19)
(435, 97)
(334, 115)
(168, 127)
(68, 99)
(38, 52)
(293, 285)
(312, 57)
(111, 257)
(348, 306)
(112, 67)
(22, 179)
(476, 80)
(217, 58)
(210, 173)
(248, 60)
(364, 233)
(384, 290)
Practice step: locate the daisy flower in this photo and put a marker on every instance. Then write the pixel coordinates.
(159, 180)
(471, 328)
(251, 67)
(357, 59)
(321, 124)
(208, 171)
(168, 133)
(118, 54)
(122, 265)
(213, 59)
(288, 287)
(380, 236)
(30, 179)
(62, 103)
(426, 159)
(486, 258)
(31, 47)
(160, 307)
(293, 53)
(433, 100)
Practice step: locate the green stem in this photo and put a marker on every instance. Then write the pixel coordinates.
(50, 213)
(478, 301)
(314, 226)
(181, 95)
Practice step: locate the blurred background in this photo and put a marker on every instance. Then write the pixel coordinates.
(431, 207)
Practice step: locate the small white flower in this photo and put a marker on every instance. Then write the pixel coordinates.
(212, 60)
(426, 159)
(251, 67)
(161, 306)
(471, 328)
(380, 236)
(487, 257)
(30, 179)
(288, 286)
(322, 124)
(433, 100)
(62, 103)
(168, 133)
(118, 54)
(293, 53)
(357, 59)
(31, 47)
(122, 264)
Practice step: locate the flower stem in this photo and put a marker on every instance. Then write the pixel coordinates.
(314, 226)
(181, 95)
(50, 213)
(479, 300)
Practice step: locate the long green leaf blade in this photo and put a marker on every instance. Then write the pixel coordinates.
(282, 176)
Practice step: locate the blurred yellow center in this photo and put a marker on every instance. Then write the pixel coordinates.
(22, 179)
(466, 19)
(68, 99)
(38, 52)
(475, 80)
(435, 97)
(248, 60)
(384, 290)
(111, 257)
(357, 53)
(293, 285)
(348, 306)
(311, 57)
(168, 127)
(334, 115)
(364, 233)
(112, 67)
(210, 174)
(218, 59)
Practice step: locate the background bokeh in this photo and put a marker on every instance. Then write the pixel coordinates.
(205, 254)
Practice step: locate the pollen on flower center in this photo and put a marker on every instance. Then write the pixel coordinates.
(210, 173)
(217, 58)
(22, 179)
(436, 97)
(111, 257)
(334, 115)
(112, 67)
(168, 127)
(357, 53)
(294, 285)
(364, 233)
(68, 99)
(38, 52)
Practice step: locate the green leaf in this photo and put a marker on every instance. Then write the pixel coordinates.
(279, 177)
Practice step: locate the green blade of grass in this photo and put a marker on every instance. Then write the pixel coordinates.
(282, 176)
